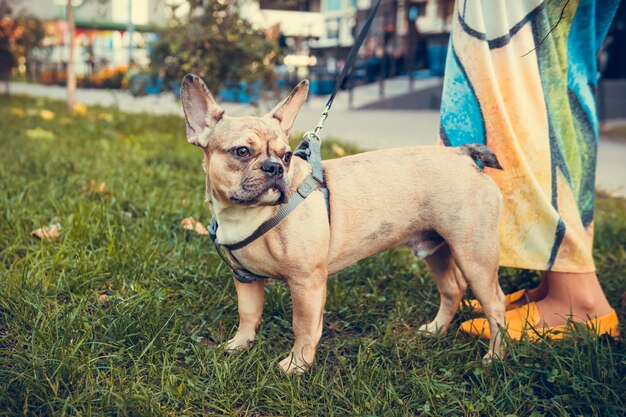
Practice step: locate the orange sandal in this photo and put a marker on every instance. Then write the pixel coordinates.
(523, 322)
(508, 300)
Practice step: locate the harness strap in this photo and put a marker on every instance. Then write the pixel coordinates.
(310, 150)
(308, 185)
(241, 274)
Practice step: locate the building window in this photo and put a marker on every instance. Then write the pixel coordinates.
(333, 5)
(139, 11)
(332, 28)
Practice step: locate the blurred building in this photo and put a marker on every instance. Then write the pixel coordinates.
(295, 25)
(406, 35)
(107, 33)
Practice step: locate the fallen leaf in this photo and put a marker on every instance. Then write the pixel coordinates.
(16, 111)
(47, 232)
(47, 114)
(107, 117)
(338, 150)
(40, 134)
(80, 109)
(189, 223)
(95, 187)
(103, 299)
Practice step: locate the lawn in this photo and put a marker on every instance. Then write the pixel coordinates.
(125, 312)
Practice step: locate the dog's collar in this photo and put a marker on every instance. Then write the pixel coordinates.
(309, 185)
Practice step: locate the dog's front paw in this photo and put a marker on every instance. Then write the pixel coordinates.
(430, 329)
(293, 364)
(239, 343)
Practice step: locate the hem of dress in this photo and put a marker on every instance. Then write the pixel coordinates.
(556, 268)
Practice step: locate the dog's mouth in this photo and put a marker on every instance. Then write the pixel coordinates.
(272, 195)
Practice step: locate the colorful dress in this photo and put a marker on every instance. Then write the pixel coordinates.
(521, 77)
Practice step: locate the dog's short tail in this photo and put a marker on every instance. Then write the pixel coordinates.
(480, 153)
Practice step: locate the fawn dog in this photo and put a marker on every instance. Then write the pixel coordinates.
(432, 198)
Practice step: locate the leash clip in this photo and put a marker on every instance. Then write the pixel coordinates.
(320, 124)
(304, 148)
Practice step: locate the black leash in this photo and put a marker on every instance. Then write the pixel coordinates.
(309, 149)
(348, 66)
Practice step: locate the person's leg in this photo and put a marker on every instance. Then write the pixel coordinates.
(533, 294)
(575, 296)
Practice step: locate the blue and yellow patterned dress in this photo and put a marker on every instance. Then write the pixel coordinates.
(521, 77)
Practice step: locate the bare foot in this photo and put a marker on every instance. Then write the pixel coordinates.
(532, 295)
(572, 296)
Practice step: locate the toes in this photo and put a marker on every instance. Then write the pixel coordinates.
(238, 344)
(429, 329)
(291, 365)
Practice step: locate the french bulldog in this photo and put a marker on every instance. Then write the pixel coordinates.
(433, 199)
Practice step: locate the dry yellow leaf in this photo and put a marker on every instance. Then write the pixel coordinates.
(103, 299)
(189, 223)
(108, 117)
(338, 150)
(95, 187)
(80, 109)
(46, 232)
(16, 111)
(47, 114)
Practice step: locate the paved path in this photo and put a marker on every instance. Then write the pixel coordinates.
(367, 128)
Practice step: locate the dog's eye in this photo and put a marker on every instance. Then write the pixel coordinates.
(242, 152)
(287, 157)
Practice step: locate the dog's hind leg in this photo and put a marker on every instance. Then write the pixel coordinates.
(250, 298)
(479, 264)
(451, 285)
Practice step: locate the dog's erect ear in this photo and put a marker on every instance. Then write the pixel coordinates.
(201, 111)
(286, 111)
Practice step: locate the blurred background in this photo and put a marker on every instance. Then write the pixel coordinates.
(132, 54)
(245, 49)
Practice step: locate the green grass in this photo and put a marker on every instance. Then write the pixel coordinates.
(154, 349)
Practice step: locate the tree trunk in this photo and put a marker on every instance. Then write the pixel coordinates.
(71, 77)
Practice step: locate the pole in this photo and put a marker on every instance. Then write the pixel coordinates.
(71, 76)
(129, 30)
(411, 16)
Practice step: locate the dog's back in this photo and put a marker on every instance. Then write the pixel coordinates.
(385, 198)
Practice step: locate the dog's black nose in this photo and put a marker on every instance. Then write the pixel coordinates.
(273, 169)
